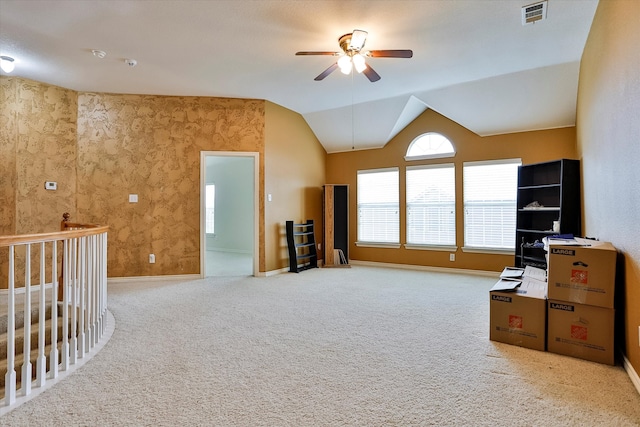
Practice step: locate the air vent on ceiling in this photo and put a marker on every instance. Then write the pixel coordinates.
(534, 12)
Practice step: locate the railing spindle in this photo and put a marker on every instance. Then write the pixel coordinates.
(81, 288)
(26, 349)
(73, 346)
(41, 364)
(66, 257)
(53, 355)
(10, 376)
(82, 252)
(91, 309)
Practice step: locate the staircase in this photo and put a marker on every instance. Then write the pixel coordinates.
(60, 327)
(20, 338)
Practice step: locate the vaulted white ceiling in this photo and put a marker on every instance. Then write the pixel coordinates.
(473, 62)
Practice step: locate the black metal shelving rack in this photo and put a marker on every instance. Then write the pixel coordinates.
(302, 246)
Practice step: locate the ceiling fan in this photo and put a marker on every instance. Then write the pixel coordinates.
(352, 56)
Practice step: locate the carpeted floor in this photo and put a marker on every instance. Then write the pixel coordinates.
(363, 346)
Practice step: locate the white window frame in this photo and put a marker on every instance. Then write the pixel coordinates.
(450, 205)
(467, 205)
(394, 198)
(434, 154)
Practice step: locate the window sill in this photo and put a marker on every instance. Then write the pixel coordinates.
(442, 248)
(491, 251)
(378, 245)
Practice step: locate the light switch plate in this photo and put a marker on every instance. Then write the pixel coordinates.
(133, 198)
(50, 185)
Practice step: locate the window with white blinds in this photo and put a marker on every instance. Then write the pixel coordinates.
(378, 206)
(431, 205)
(490, 190)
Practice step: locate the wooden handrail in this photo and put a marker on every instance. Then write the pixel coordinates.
(66, 225)
(73, 265)
(78, 230)
(52, 236)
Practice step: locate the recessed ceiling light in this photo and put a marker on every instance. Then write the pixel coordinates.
(7, 63)
(99, 53)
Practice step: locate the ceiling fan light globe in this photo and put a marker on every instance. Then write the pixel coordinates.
(345, 64)
(358, 38)
(7, 64)
(359, 63)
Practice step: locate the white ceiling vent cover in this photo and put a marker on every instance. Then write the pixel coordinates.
(534, 12)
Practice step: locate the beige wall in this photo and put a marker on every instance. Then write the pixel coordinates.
(294, 175)
(102, 147)
(531, 147)
(8, 144)
(609, 144)
(37, 144)
(150, 146)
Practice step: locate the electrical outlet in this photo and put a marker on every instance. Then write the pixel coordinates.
(452, 257)
(152, 259)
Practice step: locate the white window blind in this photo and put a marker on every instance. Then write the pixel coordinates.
(378, 206)
(490, 190)
(431, 205)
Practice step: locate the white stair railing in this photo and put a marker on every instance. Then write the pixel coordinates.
(81, 252)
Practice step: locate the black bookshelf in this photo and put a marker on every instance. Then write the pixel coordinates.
(547, 192)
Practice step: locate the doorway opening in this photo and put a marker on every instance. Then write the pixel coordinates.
(228, 213)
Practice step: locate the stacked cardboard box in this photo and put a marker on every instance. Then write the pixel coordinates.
(568, 309)
(580, 316)
(518, 307)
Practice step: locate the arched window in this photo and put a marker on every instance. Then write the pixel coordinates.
(430, 145)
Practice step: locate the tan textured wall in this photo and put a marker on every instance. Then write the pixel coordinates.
(8, 172)
(8, 144)
(609, 144)
(531, 147)
(294, 175)
(38, 144)
(150, 146)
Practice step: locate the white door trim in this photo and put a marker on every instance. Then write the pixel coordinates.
(256, 206)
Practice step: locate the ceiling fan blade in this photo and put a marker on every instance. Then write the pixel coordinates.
(318, 53)
(397, 53)
(326, 72)
(358, 38)
(371, 74)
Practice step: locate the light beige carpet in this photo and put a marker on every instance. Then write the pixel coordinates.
(327, 347)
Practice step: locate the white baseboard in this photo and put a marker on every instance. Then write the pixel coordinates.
(153, 278)
(495, 274)
(272, 272)
(282, 270)
(633, 375)
(485, 273)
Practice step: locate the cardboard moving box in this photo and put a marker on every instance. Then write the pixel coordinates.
(582, 271)
(581, 331)
(518, 312)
